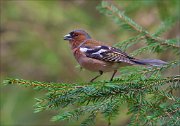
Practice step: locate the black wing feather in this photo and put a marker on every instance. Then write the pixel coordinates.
(109, 54)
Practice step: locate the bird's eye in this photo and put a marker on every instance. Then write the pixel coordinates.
(75, 34)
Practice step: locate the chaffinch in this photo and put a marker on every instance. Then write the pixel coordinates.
(96, 56)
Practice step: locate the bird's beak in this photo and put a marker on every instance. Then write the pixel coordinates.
(67, 37)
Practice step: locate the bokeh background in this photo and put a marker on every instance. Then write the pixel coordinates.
(32, 48)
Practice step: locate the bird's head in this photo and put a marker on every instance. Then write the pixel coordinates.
(77, 35)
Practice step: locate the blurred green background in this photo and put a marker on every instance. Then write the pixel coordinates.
(32, 48)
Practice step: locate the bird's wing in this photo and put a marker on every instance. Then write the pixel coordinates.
(106, 53)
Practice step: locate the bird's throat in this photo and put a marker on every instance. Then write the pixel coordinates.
(75, 44)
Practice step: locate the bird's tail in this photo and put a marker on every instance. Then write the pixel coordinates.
(151, 62)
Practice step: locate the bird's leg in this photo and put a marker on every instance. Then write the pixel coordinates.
(100, 73)
(113, 75)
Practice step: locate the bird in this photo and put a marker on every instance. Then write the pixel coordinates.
(100, 57)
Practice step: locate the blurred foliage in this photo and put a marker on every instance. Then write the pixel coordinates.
(32, 46)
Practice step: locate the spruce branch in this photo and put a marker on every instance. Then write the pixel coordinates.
(123, 20)
(103, 97)
(51, 86)
(129, 42)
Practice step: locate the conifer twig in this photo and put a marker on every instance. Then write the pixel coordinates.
(134, 25)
